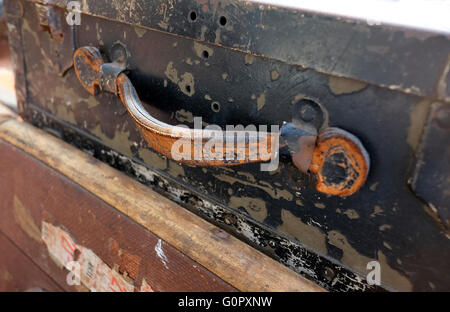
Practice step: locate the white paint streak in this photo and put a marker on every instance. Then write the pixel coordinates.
(161, 254)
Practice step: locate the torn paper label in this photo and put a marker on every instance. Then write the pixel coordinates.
(94, 273)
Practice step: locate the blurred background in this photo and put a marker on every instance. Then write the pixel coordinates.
(7, 93)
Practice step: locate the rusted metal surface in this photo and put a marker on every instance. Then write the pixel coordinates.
(90, 70)
(33, 193)
(363, 76)
(340, 162)
(88, 63)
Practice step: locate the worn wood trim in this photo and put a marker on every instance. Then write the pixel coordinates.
(232, 260)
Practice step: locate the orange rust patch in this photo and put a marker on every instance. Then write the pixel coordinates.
(340, 163)
(94, 62)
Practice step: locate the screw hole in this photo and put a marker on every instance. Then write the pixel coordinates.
(188, 89)
(205, 54)
(215, 106)
(193, 16)
(223, 20)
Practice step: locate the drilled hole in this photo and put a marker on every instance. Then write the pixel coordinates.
(223, 20)
(193, 16)
(215, 106)
(188, 89)
(205, 54)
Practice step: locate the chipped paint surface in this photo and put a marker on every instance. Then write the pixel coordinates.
(274, 192)
(309, 235)
(249, 59)
(358, 261)
(185, 82)
(256, 207)
(351, 214)
(274, 75)
(261, 101)
(201, 48)
(340, 85)
(418, 117)
(140, 32)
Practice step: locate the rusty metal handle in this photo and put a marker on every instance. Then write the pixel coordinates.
(96, 76)
(162, 137)
(336, 157)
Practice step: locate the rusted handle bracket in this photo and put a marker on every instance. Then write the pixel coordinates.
(337, 158)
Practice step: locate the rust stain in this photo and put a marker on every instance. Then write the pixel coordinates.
(90, 61)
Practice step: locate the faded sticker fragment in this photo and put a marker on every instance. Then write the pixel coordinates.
(145, 287)
(95, 274)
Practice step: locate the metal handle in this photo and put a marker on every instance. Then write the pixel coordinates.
(337, 157)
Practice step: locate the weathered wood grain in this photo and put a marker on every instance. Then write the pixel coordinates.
(19, 273)
(33, 193)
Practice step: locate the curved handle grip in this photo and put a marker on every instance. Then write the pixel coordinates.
(178, 143)
(337, 158)
(167, 139)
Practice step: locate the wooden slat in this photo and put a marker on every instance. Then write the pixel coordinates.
(232, 260)
(19, 273)
(32, 193)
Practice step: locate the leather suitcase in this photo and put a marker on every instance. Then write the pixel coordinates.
(361, 156)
